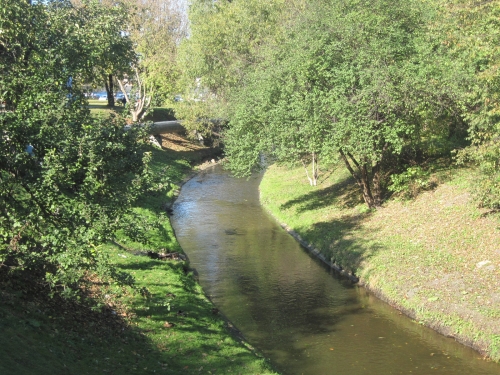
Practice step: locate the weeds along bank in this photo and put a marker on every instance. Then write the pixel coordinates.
(166, 325)
(436, 258)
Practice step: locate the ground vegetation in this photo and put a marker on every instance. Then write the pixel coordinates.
(165, 324)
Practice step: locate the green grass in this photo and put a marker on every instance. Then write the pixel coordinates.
(423, 255)
(50, 336)
(100, 108)
(36, 343)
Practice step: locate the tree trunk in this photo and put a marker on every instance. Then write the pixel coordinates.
(376, 177)
(108, 83)
(362, 178)
(367, 191)
(137, 107)
(313, 179)
(307, 173)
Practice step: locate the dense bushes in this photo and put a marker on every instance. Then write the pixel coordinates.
(67, 180)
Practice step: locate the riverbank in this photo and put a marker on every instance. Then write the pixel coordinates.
(165, 325)
(436, 258)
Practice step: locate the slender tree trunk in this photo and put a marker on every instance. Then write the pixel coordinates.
(108, 83)
(376, 172)
(307, 173)
(137, 107)
(313, 178)
(362, 178)
(315, 168)
(367, 191)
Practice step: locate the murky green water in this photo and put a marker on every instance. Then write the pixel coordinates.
(290, 307)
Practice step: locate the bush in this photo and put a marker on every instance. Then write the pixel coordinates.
(67, 181)
(410, 183)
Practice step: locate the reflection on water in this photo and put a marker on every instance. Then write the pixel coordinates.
(304, 319)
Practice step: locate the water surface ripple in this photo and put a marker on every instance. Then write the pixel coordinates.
(287, 304)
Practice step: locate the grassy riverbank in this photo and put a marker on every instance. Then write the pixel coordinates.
(437, 257)
(167, 325)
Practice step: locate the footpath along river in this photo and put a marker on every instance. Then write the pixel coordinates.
(287, 304)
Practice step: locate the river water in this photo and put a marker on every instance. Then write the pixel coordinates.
(287, 304)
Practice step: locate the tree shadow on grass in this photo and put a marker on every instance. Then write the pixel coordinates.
(184, 324)
(341, 241)
(51, 335)
(344, 194)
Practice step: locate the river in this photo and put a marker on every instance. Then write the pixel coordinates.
(288, 305)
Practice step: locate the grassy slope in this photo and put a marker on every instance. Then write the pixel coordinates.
(437, 257)
(41, 336)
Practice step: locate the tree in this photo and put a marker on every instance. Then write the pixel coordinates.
(108, 45)
(138, 97)
(144, 55)
(67, 179)
(473, 30)
(225, 39)
(158, 27)
(279, 108)
(358, 79)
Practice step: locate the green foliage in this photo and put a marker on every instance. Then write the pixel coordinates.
(67, 179)
(276, 112)
(409, 183)
(474, 37)
(225, 37)
(349, 78)
(100, 33)
(198, 115)
(485, 153)
(157, 28)
(376, 82)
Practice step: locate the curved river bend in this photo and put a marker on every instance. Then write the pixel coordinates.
(287, 304)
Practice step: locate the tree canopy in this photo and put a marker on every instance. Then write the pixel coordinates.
(474, 37)
(377, 84)
(66, 179)
(341, 84)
